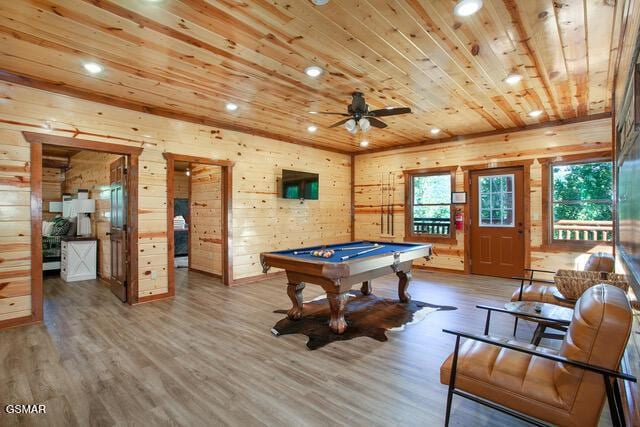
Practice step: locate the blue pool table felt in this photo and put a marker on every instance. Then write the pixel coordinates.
(386, 248)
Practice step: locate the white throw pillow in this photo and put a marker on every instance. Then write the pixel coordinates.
(46, 228)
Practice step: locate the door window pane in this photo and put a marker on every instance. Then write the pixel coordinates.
(496, 200)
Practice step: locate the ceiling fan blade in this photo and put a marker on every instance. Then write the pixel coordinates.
(341, 122)
(335, 114)
(376, 123)
(390, 111)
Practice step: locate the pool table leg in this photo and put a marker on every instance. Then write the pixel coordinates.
(337, 302)
(403, 284)
(294, 290)
(366, 288)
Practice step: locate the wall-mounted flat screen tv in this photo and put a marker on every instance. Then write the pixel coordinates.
(299, 185)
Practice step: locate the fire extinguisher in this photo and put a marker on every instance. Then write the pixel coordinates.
(459, 218)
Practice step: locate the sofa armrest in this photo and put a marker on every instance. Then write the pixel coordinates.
(556, 358)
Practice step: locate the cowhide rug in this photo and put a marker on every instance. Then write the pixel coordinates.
(366, 316)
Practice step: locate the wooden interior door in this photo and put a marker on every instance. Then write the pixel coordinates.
(497, 222)
(118, 231)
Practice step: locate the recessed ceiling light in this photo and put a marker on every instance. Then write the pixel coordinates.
(467, 7)
(312, 128)
(93, 67)
(513, 78)
(230, 106)
(435, 131)
(47, 125)
(187, 172)
(319, 2)
(535, 113)
(313, 112)
(313, 71)
(364, 143)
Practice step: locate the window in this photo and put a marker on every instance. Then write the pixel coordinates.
(496, 200)
(429, 205)
(581, 202)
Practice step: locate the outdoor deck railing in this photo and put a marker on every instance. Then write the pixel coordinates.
(431, 225)
(583, 230)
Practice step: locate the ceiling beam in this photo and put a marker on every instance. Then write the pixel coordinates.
(63, 89)
(491, 133)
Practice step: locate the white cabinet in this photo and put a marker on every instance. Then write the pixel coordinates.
(78, 260)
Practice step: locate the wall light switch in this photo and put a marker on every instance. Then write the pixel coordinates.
(154, 275)
(536, 216)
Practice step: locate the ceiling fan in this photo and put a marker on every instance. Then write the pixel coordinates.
(358, 115)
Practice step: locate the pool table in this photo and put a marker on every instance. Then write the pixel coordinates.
(346, 268)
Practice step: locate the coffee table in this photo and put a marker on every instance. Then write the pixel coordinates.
(546, 315)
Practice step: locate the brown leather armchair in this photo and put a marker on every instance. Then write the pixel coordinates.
(566, 387)
(533, 289)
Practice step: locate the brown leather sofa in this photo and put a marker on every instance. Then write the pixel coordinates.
(533, 383)
(532, 289)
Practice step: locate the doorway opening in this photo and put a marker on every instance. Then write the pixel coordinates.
(83, 215)
(199, 220)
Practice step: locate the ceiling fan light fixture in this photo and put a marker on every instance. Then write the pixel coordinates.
(467, 7)
(535, 113)
(230, 106)
(312, 128)
(513, 78)
(350, 125)
(364, 143)
(319, 2)
(313, 71)
(187, 172)
(93, 67)
(364, 124)
(434, 131)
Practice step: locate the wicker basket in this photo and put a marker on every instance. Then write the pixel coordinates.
(572, 284)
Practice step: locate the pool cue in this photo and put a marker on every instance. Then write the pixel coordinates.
(346, 257)
(381, 202)
(388, 202)
(357, 247)
(393, 200)
(353, 248)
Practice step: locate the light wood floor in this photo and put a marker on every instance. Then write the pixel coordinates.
(208, 358)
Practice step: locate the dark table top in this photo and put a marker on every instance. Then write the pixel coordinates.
(550, 312)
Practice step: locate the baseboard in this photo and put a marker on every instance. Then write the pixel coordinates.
(206, 273)
(18, 321)
(258, 278)
(440, 270)
(156, 297)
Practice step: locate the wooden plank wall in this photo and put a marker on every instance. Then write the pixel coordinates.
(15, 227)
(180, 185)
(52, 181)
(593, 136)
(261, 220)
(90, 170)
(205, 252)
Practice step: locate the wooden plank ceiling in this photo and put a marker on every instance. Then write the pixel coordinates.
(186, 58)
